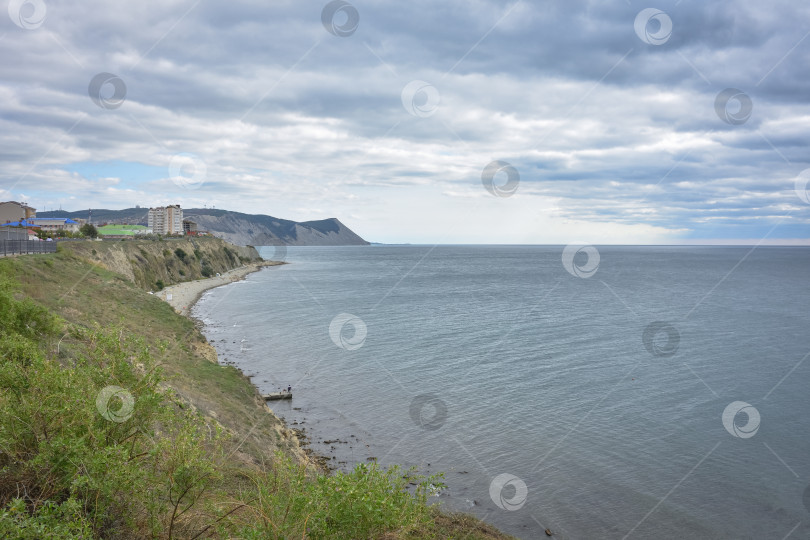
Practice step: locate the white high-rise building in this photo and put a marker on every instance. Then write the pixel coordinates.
(166, 219)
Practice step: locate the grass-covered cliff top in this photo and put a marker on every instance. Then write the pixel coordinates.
(116, 421)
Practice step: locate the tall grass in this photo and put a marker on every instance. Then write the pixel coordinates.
(289, 502)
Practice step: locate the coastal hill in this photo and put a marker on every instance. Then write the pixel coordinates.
(236, 227)
(261, 230)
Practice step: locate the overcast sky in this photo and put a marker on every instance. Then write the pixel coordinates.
(449, 122)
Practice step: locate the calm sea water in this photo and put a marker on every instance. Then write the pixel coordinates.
(660, 394)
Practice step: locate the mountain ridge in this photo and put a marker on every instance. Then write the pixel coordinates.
(237, 227)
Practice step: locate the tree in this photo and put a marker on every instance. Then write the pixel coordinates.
(88, 229)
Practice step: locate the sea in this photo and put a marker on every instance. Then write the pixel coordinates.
(598, 392)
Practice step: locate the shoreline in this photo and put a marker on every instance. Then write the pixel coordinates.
(186, 294)
(182, 296)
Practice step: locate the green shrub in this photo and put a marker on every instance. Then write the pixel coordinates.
(180, 254)
(50, 520)
(63, 438)
(89, 230)
(290, 502)
(159, 284)
(95, 441)
(207, 271)
(21, 320)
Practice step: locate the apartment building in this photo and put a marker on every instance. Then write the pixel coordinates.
(166, 219)
(14, 211)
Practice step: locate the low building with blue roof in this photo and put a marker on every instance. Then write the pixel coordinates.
(52, 224)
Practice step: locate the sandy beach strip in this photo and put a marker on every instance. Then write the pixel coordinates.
(183, 295)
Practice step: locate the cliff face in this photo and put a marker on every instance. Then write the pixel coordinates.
(146, 262)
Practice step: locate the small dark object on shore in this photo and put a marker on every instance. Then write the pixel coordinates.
(548, 532)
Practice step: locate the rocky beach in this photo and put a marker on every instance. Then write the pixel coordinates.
(183, 295)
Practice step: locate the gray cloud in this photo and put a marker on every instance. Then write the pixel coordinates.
(603, 127)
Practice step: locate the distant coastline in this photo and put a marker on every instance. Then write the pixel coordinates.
(235, 227)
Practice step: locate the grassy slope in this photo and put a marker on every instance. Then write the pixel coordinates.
(86, 293)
